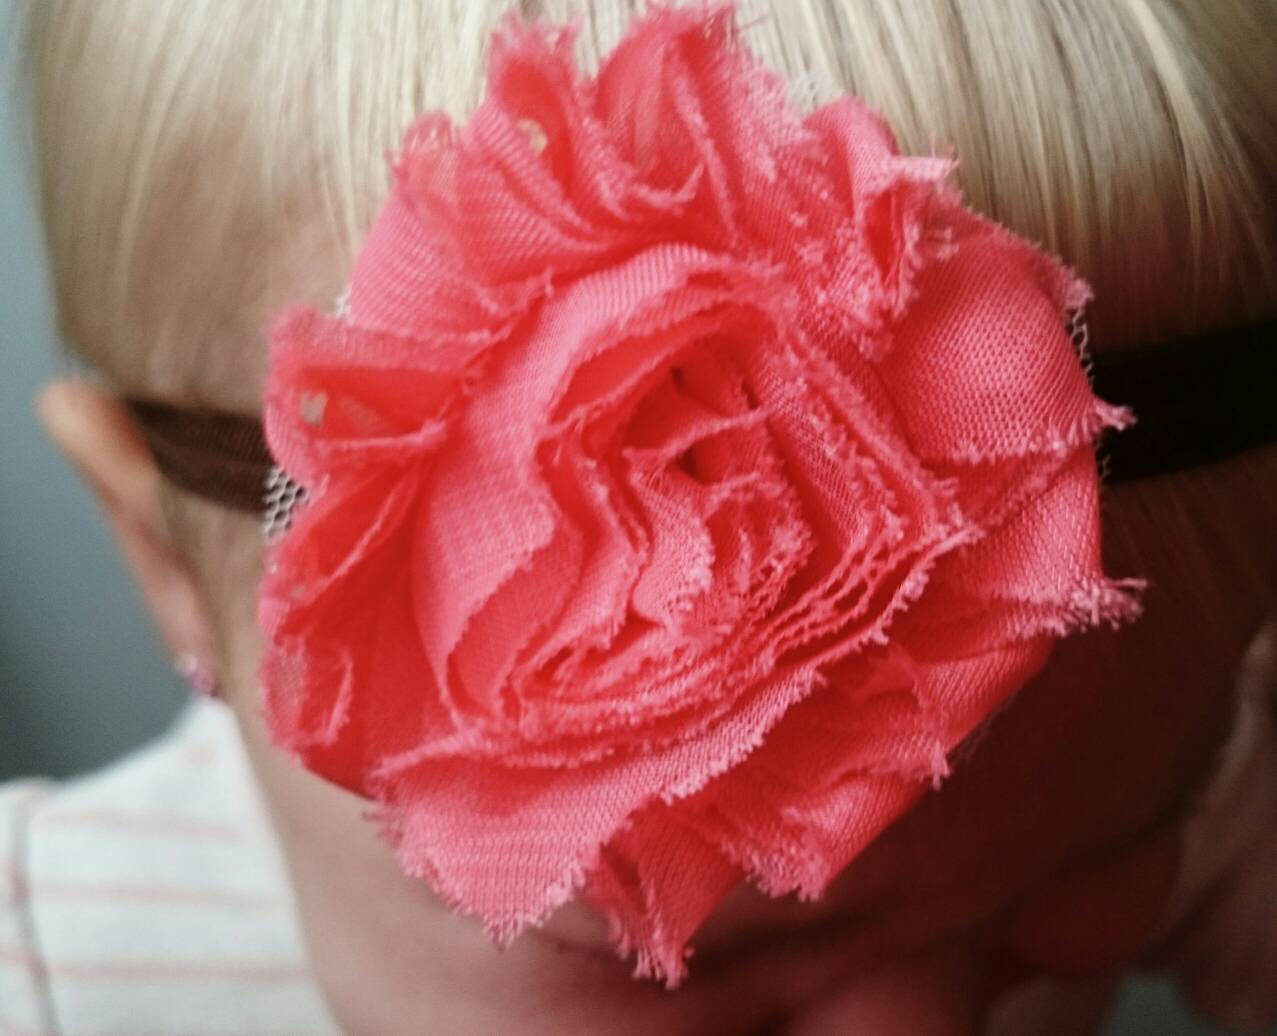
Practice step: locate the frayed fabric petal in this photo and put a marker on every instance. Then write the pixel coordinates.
(686, 477)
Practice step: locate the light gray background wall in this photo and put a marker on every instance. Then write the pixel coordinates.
(82, 676)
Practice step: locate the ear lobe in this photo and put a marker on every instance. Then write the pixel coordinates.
(98, 435)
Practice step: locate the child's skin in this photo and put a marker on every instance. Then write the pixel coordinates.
(1052, 850)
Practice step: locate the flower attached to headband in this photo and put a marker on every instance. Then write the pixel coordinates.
(686, 477)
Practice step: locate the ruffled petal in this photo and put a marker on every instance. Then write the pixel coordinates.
(982, 367)
(491, 838)
(655, 882)
(1038, 573)
(850, 759)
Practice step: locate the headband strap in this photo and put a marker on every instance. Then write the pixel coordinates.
(1196, 400)
(217, 455)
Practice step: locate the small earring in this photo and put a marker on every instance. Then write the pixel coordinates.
(197, 676)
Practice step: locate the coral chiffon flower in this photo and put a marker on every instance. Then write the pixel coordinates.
(686, 477)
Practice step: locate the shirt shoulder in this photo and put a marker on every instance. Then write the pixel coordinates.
(151, 894)
(21, 1005)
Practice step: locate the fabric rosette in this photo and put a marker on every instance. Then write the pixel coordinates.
(686, 477)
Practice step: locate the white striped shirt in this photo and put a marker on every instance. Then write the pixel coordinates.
(150, 898)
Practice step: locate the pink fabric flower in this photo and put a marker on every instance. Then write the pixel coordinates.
(687, 478)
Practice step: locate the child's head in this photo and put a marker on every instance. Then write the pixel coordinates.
(204, 163)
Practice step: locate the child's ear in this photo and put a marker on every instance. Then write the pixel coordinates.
(98, 435)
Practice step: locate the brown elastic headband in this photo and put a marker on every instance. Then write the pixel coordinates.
(1196, 400)
(219, 456)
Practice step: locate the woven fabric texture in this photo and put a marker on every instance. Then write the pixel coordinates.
(686, 478)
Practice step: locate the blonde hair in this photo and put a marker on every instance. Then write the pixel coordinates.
(203, 161)
(184, 144)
